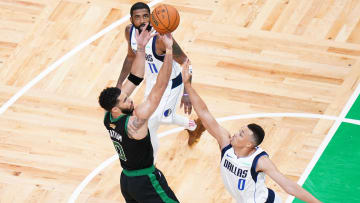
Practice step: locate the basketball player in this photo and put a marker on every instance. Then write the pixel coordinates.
(140, 181)
(244, 164)
(166, 111)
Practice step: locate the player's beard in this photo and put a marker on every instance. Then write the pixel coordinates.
(140, 27)
(128, 111)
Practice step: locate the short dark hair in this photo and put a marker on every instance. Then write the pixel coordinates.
(109, 97)
(139, 5)
(258, 132)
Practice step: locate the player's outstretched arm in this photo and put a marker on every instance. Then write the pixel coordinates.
(128, 60)
(267, 166)
(211, 125)
(138, 65)
(145, 109)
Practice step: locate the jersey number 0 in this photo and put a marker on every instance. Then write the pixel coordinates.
(120, 151)
(241, 184)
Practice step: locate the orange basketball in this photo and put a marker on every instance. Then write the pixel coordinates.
(164, 18)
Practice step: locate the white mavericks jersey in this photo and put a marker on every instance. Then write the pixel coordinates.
(153, 62)
(240, 178)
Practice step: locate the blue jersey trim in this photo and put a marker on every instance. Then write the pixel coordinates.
(131, 30)
(176, 81)
(271, 196)
(224, 150)
(254, 174)
(160, 58)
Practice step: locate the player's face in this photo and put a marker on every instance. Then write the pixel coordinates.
(125, 104)
(140, 17)
(242, 138)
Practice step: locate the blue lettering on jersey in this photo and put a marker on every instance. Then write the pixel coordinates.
(235, 170)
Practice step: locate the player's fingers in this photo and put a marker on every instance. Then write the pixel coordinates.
(136, 32)
(190, 109)
(181, 104)
(153, 33)
(186, 67)
(187, 108)
(168, 35)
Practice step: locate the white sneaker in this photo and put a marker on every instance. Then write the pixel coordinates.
(191, 126)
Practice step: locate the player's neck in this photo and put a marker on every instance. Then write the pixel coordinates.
(243, 151)
(115, 115)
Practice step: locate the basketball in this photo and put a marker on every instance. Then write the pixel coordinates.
(165, 18)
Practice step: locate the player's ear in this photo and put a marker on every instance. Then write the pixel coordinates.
(115, 109)
(250, 144)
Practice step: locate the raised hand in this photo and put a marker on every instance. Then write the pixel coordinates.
(186, 73)
(143, 38)
(167, 39)
(186, 76)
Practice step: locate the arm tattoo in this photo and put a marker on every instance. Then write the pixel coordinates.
(178, 54)
(137, 122)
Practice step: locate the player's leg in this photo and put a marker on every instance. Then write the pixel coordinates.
(169, 104)
(183, 122)
(194, 128)
(151, 188)
(124, 190)
(161, 181)
(153, 125)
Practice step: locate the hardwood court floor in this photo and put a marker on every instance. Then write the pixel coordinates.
(249, 56)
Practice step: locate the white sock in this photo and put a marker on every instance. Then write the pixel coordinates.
(184, 122)
(181, 121)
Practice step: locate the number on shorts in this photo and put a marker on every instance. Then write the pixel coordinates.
(241, 184)
(120, 151)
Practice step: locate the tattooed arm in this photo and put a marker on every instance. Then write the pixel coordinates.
(179, 56)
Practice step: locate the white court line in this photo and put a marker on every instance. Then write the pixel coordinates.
(53, 66)
(103, 165)
(327, 139)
